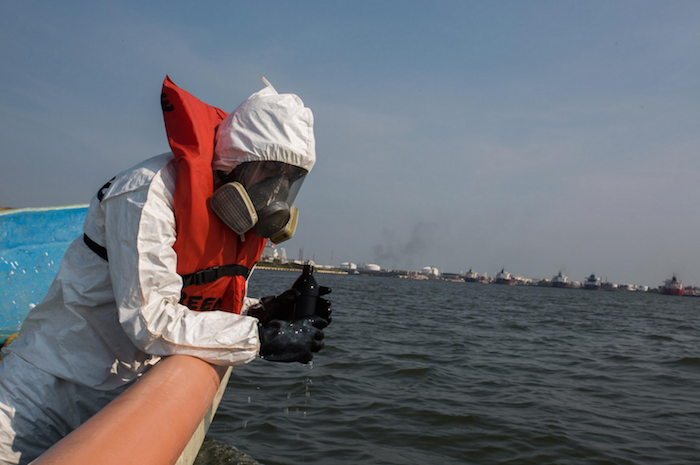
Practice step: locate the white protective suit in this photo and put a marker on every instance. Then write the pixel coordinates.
(103, 324)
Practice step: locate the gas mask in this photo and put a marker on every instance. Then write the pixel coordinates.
(259, 196)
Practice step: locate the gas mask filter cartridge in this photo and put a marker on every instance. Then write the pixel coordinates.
(232, 204)
(288, 230)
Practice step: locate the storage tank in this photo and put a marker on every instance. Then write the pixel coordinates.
(372, 267)
(430, 271)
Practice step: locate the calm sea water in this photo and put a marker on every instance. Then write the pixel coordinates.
(433, 372)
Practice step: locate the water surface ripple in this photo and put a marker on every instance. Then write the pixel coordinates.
(418, 372)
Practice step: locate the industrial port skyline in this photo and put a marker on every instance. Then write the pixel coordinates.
(278, 254)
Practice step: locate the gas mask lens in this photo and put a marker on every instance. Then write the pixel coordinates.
(270, 181)
(260, 195)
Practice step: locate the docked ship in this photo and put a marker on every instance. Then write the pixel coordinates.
(672, 287)
(560, 281)
(472, 276)
(504, 278)
(592, 283)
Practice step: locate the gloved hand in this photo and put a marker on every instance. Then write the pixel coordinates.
(291, 341)
(281, 307)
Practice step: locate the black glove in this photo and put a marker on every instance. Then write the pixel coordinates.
(281, 307)
(323, 306)
(291, 341)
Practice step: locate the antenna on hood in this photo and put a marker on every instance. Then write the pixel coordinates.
(267, 83)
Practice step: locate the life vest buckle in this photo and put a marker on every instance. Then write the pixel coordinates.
(207, 276)
(213, 273)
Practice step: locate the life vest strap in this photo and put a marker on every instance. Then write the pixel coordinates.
(206, 276)
(95, 247)
(209, 275)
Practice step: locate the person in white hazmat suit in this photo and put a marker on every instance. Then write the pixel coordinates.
(105, 322)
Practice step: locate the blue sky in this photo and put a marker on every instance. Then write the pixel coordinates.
(533, 135)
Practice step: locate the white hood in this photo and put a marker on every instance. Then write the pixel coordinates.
(267, 126)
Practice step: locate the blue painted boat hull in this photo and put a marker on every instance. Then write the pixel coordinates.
(32, 244)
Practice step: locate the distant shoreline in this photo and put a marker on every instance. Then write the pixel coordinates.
(293, 267)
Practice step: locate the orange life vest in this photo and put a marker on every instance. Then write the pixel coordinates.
(212, 259)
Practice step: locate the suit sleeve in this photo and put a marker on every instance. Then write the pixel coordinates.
(139, 235)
